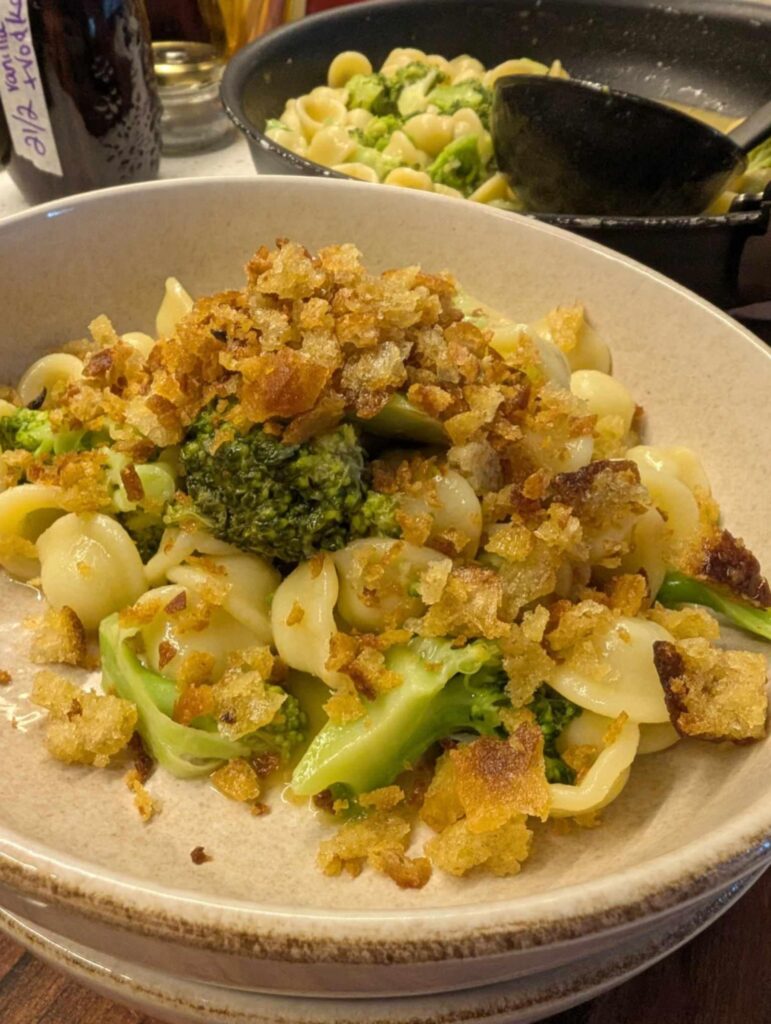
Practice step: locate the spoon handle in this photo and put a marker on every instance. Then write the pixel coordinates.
(754, 129)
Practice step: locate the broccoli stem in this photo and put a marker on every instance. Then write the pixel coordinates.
(399, 418)
(401, 723)
(678, 588)
(185, 752)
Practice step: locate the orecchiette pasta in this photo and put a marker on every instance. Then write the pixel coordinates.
(25, 512)
(604, 780)
(303, 618)
(176, 303)
(379, 582)
(624, 679)
(604, 395)
(49, 372)
(89, 563)
(345, 66)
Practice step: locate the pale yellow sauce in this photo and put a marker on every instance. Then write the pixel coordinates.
(723, 122)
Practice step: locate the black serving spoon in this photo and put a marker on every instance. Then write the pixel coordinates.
(568, 146)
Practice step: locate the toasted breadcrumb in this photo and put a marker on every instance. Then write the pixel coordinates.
(712, 693)
(237, 780)
(59, 639)
(144, 803)
(457, 850)
(685, 623)
(5, 677)
(83, 728)
(380, 840)
(199, 856)
(384, 799)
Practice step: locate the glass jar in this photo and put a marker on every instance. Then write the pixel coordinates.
(77, 86)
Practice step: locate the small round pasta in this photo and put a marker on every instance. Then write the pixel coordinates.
(175, 304)
(89, 563)
(377, 579)
(648, 550)
(466, 122)
(400, 58)
(289, 139)
(345, 66)
(332, 145)
(449, 499)
(315, 112)
(676, 460)
(361, 172)
(25, 512)
(520, 66)
(250, 581)
(46, 374)
(496, 187)
(359, 118)
(671, 496)
(139, 341)
(630, 683)
(430, 132)
(406, 177)
(465, 68)
(603, 782)
(401, 148)
(604, 395)
(303, 618)
(178, 545)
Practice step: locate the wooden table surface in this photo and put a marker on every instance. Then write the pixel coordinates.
(722, 977)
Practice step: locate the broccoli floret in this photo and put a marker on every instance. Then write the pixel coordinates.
(370, 92)
(410, 86)
(273, 124)
(31, 429)
(381, 164)
(379, 131)
(678, 588)
(146, 531)
(759, 158)
(471, 94)
(185, 751)
(460, 165)
(553, 713)
(283, 501)
(445, 690)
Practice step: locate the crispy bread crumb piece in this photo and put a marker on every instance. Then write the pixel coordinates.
(498, 779)
(199, 856)
(711, 693)
(237, 780)
(143, 802)
(380, 840)
(384, 799)
(726, 560)
(59, 639)
(457, 849)
(5, 677)
(441, 805)
(685, 623)
(83, 728)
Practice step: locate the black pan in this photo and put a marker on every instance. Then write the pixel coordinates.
(706, 53)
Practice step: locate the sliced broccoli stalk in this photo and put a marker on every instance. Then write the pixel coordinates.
(471, 94)
(32, 431)
(411, 85)
(369, 92)
(157, 479)
(460, 165)
(399, 418)
(553, 713)
(186, 751)
(678, 588)
(378, 132)
(381, 164)
(401, 724)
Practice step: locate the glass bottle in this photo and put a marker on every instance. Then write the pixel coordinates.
(77, 86)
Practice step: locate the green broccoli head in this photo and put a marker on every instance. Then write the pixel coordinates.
(285, 733)
(31, 430)
(369, 92)
(381, 164)
(553, 714)
(284, 501)
(145, 529)
(379, 131)
(411, 85)
(460, 165)
(472, 94)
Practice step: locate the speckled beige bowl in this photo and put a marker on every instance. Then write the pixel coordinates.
(74, 857)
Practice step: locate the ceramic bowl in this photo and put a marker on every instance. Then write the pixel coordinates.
(75, 859)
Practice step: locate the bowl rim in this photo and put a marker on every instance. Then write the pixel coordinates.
(239, 68)
(428, 933)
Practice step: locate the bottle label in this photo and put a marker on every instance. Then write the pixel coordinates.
(21, 90)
